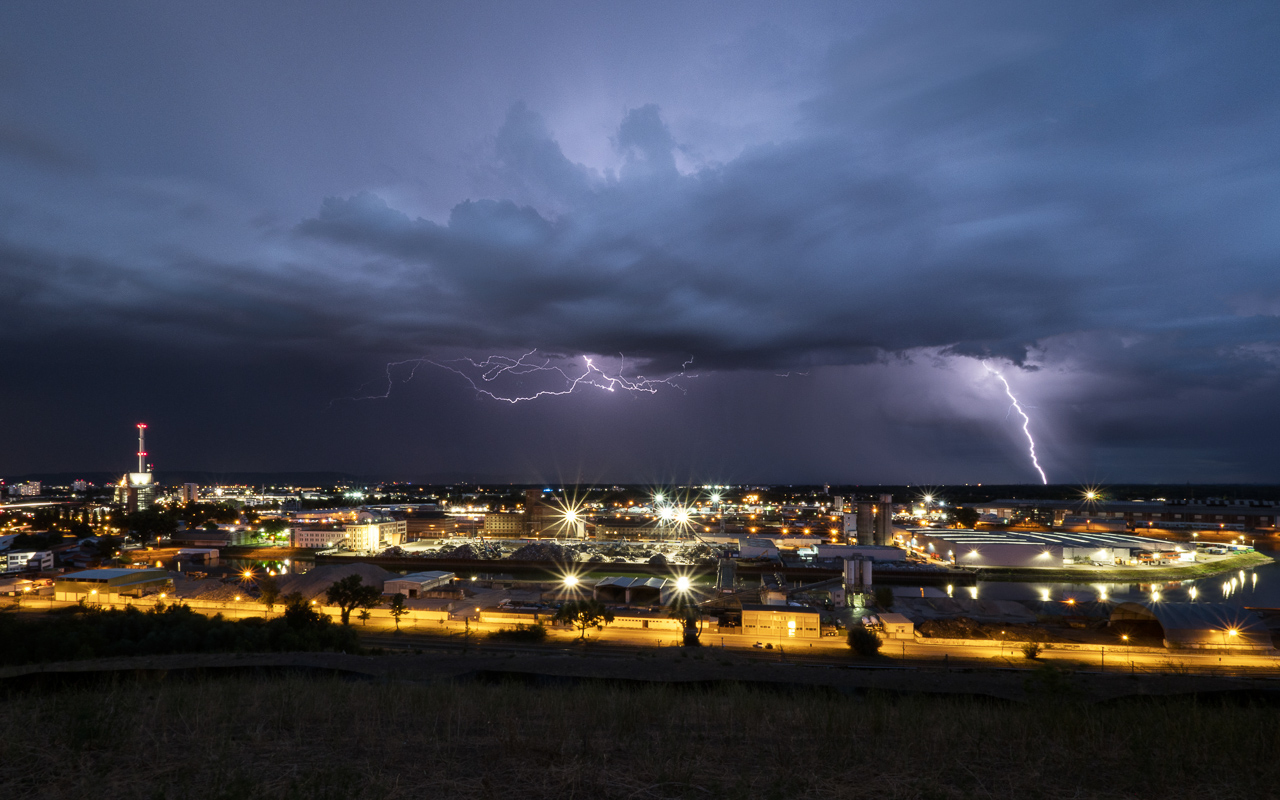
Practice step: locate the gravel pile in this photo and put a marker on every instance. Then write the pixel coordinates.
(211, 589)
(312, 585)
(546, 551)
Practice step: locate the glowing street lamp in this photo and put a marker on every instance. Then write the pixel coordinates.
(570, 581)
(683, 583)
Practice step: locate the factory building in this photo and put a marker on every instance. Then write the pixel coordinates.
(781, 622)
(375, 533)
(1189, 514)
(504, 524)
(136, 491)
(316, 538)
(417, 584)
(109, 585)
(27, 561)
(1053, 549)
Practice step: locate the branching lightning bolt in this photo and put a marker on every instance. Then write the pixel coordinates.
(494, 367)
(1026, 421)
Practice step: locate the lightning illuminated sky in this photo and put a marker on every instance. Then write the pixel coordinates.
(218, 217)
(496, 367)
(1026, 421)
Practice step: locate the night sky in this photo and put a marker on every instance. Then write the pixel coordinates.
(835, 219)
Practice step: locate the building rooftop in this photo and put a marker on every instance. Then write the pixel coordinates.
(1044, 538)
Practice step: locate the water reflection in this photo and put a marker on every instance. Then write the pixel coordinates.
(1256, 587)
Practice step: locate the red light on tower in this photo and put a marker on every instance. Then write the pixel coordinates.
(142, 447)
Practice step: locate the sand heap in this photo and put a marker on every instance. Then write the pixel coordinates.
(312, 585)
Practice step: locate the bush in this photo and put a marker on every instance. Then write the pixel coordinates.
(1031, 650)
(864, 642)
(97, 633)
(521, 633)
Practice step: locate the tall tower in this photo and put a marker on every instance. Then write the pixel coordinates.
(142, 447)
(137, 490)
(884, 520)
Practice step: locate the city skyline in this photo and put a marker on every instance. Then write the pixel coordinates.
(822, 244)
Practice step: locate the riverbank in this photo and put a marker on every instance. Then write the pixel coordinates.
(1123, 574)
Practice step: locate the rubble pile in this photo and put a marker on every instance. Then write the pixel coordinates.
(463, 551)
(213, 590)
(546, 551)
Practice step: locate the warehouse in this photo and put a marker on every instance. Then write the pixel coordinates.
(633, 591)
(1043, 549)
(109, 585)
(781, 622)
(417, 584)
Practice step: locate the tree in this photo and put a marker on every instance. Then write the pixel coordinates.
(864, 642)
(150, 524)
(105, 548)
(298, 613)
(398, 609)
(966, 517)
(268, 592)
(351, 593)
(364, 616)
(686, 610)
(583, 614)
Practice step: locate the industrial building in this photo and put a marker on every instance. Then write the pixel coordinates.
(1221, 514)
(985, 548)
(109, 585)
(504, 524)
(136, 491)
(316, 538)
(781, 622)
(417, 584)
(372, 534)
(26, 561)
(633, 591)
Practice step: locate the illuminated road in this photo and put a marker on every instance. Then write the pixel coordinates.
(831, 649)
(827, 650)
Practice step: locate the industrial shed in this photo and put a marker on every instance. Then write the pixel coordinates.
(633, 591)
(109, 585)
(417, 584)
(781, 622)
(1201, 626)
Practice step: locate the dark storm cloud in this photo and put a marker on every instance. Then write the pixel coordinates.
(1088, 191)
(788, 254)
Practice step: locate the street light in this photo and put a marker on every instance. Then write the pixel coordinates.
(682, 583)
(570, 581)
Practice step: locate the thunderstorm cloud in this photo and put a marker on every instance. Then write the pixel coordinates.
(873, 201)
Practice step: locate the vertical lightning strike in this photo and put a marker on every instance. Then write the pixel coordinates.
(1026, 421)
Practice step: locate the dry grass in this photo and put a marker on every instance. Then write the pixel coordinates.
(298, 738)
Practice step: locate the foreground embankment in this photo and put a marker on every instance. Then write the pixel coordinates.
(472, 730)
